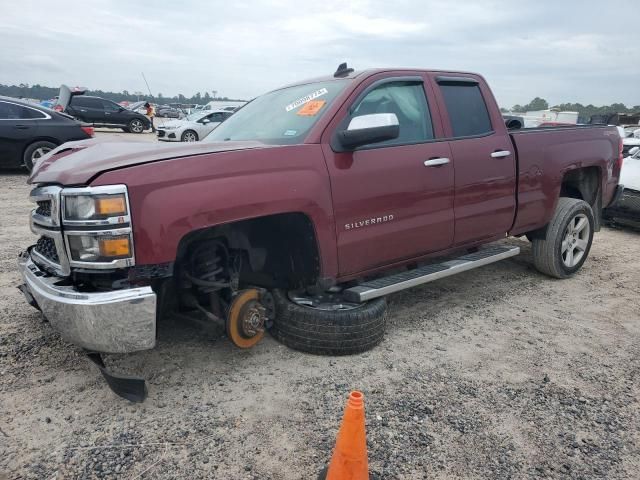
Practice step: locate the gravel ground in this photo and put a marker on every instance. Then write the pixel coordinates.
(496, 373)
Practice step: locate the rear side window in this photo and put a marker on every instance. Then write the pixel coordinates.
(467, 111)
(11, 111)
(79, 101)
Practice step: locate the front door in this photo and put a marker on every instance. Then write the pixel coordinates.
(485, 197)
(114, 114)
(392, 200)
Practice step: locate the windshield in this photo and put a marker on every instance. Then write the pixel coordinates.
(195, 116)
(281, 117)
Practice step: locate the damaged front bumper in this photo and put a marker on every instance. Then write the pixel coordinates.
(118, 321)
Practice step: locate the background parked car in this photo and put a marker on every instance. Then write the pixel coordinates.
(168, 112)
(101, 112)
(627, 208)
(28, 131)
(193, 128)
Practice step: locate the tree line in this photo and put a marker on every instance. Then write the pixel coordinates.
(41, 92)
(584, 111)
(45, 93)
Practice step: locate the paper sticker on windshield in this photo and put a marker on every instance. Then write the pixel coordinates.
(306, 99)
(290, 133)
(311, 108)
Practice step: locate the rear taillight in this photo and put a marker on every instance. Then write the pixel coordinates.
(88, 131)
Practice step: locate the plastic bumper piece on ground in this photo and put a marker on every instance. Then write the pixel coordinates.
(119, 321)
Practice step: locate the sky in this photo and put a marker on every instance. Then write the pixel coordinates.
(564, 51)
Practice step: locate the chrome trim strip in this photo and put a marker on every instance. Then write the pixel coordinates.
(362, 293)
(117, 321)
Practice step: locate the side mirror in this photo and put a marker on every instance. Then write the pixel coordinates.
(204, 121)
(634, 151)
(367, 129)
(121, 109)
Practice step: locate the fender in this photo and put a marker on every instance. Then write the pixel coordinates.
(174, 197)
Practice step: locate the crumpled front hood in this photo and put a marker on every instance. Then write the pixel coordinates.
(76, 163)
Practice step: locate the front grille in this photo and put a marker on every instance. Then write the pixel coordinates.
(44, 208)
(47, 248)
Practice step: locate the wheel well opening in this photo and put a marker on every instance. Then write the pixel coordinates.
(583, 184)
(278, 251)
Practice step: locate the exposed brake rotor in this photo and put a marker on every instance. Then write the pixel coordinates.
(246, 319)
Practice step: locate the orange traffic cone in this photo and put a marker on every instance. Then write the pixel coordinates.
(349, 461)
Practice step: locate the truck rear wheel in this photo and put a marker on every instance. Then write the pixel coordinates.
(567, 241)
(331, 327)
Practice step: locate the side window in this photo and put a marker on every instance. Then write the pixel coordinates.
(78, 101)
(11, 111)
(110, 107)
(408, 102)
(467, 111)
(30, 113)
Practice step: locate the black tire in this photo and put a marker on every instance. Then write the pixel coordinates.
(34, 151)
(548, 251)
(189, 134)
(324, 332)
(136, 126)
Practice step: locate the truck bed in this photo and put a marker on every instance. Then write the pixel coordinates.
(545, 154)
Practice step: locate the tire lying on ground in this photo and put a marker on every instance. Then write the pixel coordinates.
(567, 241)
(328, 332)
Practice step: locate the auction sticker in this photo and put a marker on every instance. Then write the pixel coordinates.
(311, 108)
(306, 98)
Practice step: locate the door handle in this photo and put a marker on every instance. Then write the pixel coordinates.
(436, 162)
(500, 154)
(21, 127)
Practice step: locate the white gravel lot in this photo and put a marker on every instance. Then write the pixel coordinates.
(494, 373)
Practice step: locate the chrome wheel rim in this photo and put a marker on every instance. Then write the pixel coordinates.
(38, 153)
(330, 301)
(136, 126)
(190, 137)
(575, 241)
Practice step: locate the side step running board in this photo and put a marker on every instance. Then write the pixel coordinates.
(400, 281)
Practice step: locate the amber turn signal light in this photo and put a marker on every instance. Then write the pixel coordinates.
(115, 247)
(111, 205)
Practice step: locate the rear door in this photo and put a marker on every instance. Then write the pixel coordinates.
(482, 152)
(390, 202)
(88, 109)
(18, 125)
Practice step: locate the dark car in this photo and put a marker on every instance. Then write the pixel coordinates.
(29, 131)
(101, 112)
(168, 112)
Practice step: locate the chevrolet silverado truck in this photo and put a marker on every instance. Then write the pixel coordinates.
(308, 206)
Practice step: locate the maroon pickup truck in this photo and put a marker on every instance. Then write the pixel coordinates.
(305, 208)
